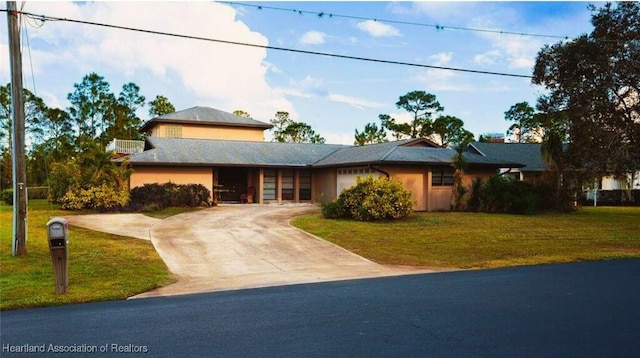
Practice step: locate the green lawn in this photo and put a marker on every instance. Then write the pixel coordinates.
(101, 266)
(478, 240)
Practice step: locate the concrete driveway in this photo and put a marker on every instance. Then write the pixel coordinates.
(243, 246)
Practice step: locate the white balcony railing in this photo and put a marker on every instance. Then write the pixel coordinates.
(125, 146)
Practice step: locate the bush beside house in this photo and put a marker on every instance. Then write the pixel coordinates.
(159, 196)
(371, 199)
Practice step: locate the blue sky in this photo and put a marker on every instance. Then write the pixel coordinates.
(335, 96)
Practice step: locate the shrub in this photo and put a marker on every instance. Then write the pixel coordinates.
(102, 197)
(475, 195)
(333, 210)
(39, 192)
(370, 200)
(7, 196)
(501, 195)
(63, 177)
(169, 194)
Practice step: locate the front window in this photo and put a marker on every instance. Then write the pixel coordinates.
(270, 184)
(287, 185)
(305, 185)
(442, 176)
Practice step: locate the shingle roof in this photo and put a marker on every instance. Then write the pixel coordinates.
(205, 152)
(525, 153)
(205, 115)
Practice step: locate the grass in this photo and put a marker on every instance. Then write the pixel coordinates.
(101, 266)
(478, 240)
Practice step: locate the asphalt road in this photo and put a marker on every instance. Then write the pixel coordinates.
(571, 310)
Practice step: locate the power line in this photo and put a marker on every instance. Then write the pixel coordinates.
(397, 22)
(44, 18)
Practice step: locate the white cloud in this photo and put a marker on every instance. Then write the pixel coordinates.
(449, 11)
(190, 72)
(442, 80)
(308, 82)
(401, 117)
(488, 58)
(378, 29)
(338, 138)
(356, 102)
(313, 38)
(441, 59)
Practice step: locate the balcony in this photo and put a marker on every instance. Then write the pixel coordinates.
(125, 146)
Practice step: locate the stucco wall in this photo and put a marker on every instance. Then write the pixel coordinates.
(176, 175)
(471, 174)
(414, 180)
(323, 187)
(198, 131)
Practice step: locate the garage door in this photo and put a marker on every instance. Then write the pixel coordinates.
(347, 177)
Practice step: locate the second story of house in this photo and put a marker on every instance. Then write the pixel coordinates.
(205, 123)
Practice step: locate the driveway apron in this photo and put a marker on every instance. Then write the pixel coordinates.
(246, 246)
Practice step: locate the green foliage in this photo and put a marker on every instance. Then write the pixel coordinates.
(7, 196)
(241, 113)
(474, 203)
(370, 135)
(159, 106)
(63, 176)
(501, 195)
(159, 196)
(104, 197)
(41, 192)
(591, 86)
(371, 199)
(525, 127)
(450, 131)
(423, 107)
(286, 130)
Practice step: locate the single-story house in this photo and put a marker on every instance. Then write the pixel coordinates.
(228, 155)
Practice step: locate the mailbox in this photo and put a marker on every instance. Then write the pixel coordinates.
(58, 235)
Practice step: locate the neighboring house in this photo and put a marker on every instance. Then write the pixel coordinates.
(527, 154)
(227, 154)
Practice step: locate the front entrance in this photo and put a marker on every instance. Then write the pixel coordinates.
(231, 183)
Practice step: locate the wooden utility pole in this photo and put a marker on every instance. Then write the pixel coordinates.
(17, 146)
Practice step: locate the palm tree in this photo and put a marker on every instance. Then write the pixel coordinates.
(459, 163)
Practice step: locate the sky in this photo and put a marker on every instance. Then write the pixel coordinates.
(335, 96)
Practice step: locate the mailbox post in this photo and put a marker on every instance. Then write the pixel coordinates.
(58, 235)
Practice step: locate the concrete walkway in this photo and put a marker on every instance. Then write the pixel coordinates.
(242, 246)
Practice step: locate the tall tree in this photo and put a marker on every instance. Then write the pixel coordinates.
(525, 127)
(286, 130)
(91, 102)
(125, 122)
(371, 134)
(422, 106)
(299, 132)
(450, 130)
(34, 114)
(159, 106)
(459, 163)
(594, 81)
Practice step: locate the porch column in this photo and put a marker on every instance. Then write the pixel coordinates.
(296, 186)
(429, 178)
(260, 191)
(279, 186)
